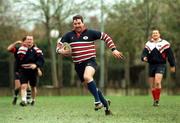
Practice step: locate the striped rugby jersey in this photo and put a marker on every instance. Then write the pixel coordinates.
(27, 55)
(83, 45)
(158, 52)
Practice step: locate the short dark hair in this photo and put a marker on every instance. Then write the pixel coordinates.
(155, 28)
(24, 38)
(78, 17)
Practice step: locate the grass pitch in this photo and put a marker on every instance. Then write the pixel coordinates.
(79, 109)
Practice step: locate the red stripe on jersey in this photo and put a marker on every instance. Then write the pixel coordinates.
(83, 58)
(75, 49)
(110, 45)
(78, 44)
(108, 40)
(164, 47)
(83, 52)
(147, 48)
(104, 36)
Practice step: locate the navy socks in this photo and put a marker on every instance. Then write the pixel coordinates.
(103, 100)
(16, 92)
(98, 96)
(92, 88)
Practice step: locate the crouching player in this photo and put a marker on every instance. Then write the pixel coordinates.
(29, 59)
(156, 52)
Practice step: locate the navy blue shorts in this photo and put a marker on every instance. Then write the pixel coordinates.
(156, 68)
(16, 75)
(28, 76)
(81, 67)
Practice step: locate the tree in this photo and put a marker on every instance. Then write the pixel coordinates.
(52, 14)
(172, 31)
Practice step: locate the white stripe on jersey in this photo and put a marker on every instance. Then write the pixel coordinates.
(75, 61)
(82, 46)
(84, 51)
(109, 42)
(89, 42)
(83, 55)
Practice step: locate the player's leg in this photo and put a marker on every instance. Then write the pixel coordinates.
(105, 102)
(158, 79)
(29, 94)
(23, 94)
(24, 84)
(152, 87)
(16, 91)
(151, 80)
(33, 82)
(91, 85)
(160, 70)
(34, 93)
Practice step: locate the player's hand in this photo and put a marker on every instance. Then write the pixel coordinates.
(18, 42)
(172, 69)
(33, 66)
(39, 72)
(145, 59)
(64, 51)
(29, 66)
(117, 54)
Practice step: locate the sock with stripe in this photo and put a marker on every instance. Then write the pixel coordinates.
(92, 88)
(28, 95)
(103, 100)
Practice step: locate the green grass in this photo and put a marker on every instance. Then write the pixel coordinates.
(79, 109)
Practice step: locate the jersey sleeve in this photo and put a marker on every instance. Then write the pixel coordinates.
(170, 57)
(106, 38)
(65, 38)
(40, 57)
(144, 53)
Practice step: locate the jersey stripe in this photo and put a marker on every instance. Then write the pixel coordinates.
(164, 47)
(108, 40)
(82, 51)
(81, 59)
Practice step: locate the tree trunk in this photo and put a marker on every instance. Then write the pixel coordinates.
(53, 59)
(11, 71)
(127, 74)
(60, 70)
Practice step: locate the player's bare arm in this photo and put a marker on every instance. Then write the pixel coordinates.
(11, 46)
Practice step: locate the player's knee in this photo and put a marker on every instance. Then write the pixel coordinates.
(87, 78)
(158, 84)
(24, 86)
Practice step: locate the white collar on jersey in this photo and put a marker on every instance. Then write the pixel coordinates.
(160, 45)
